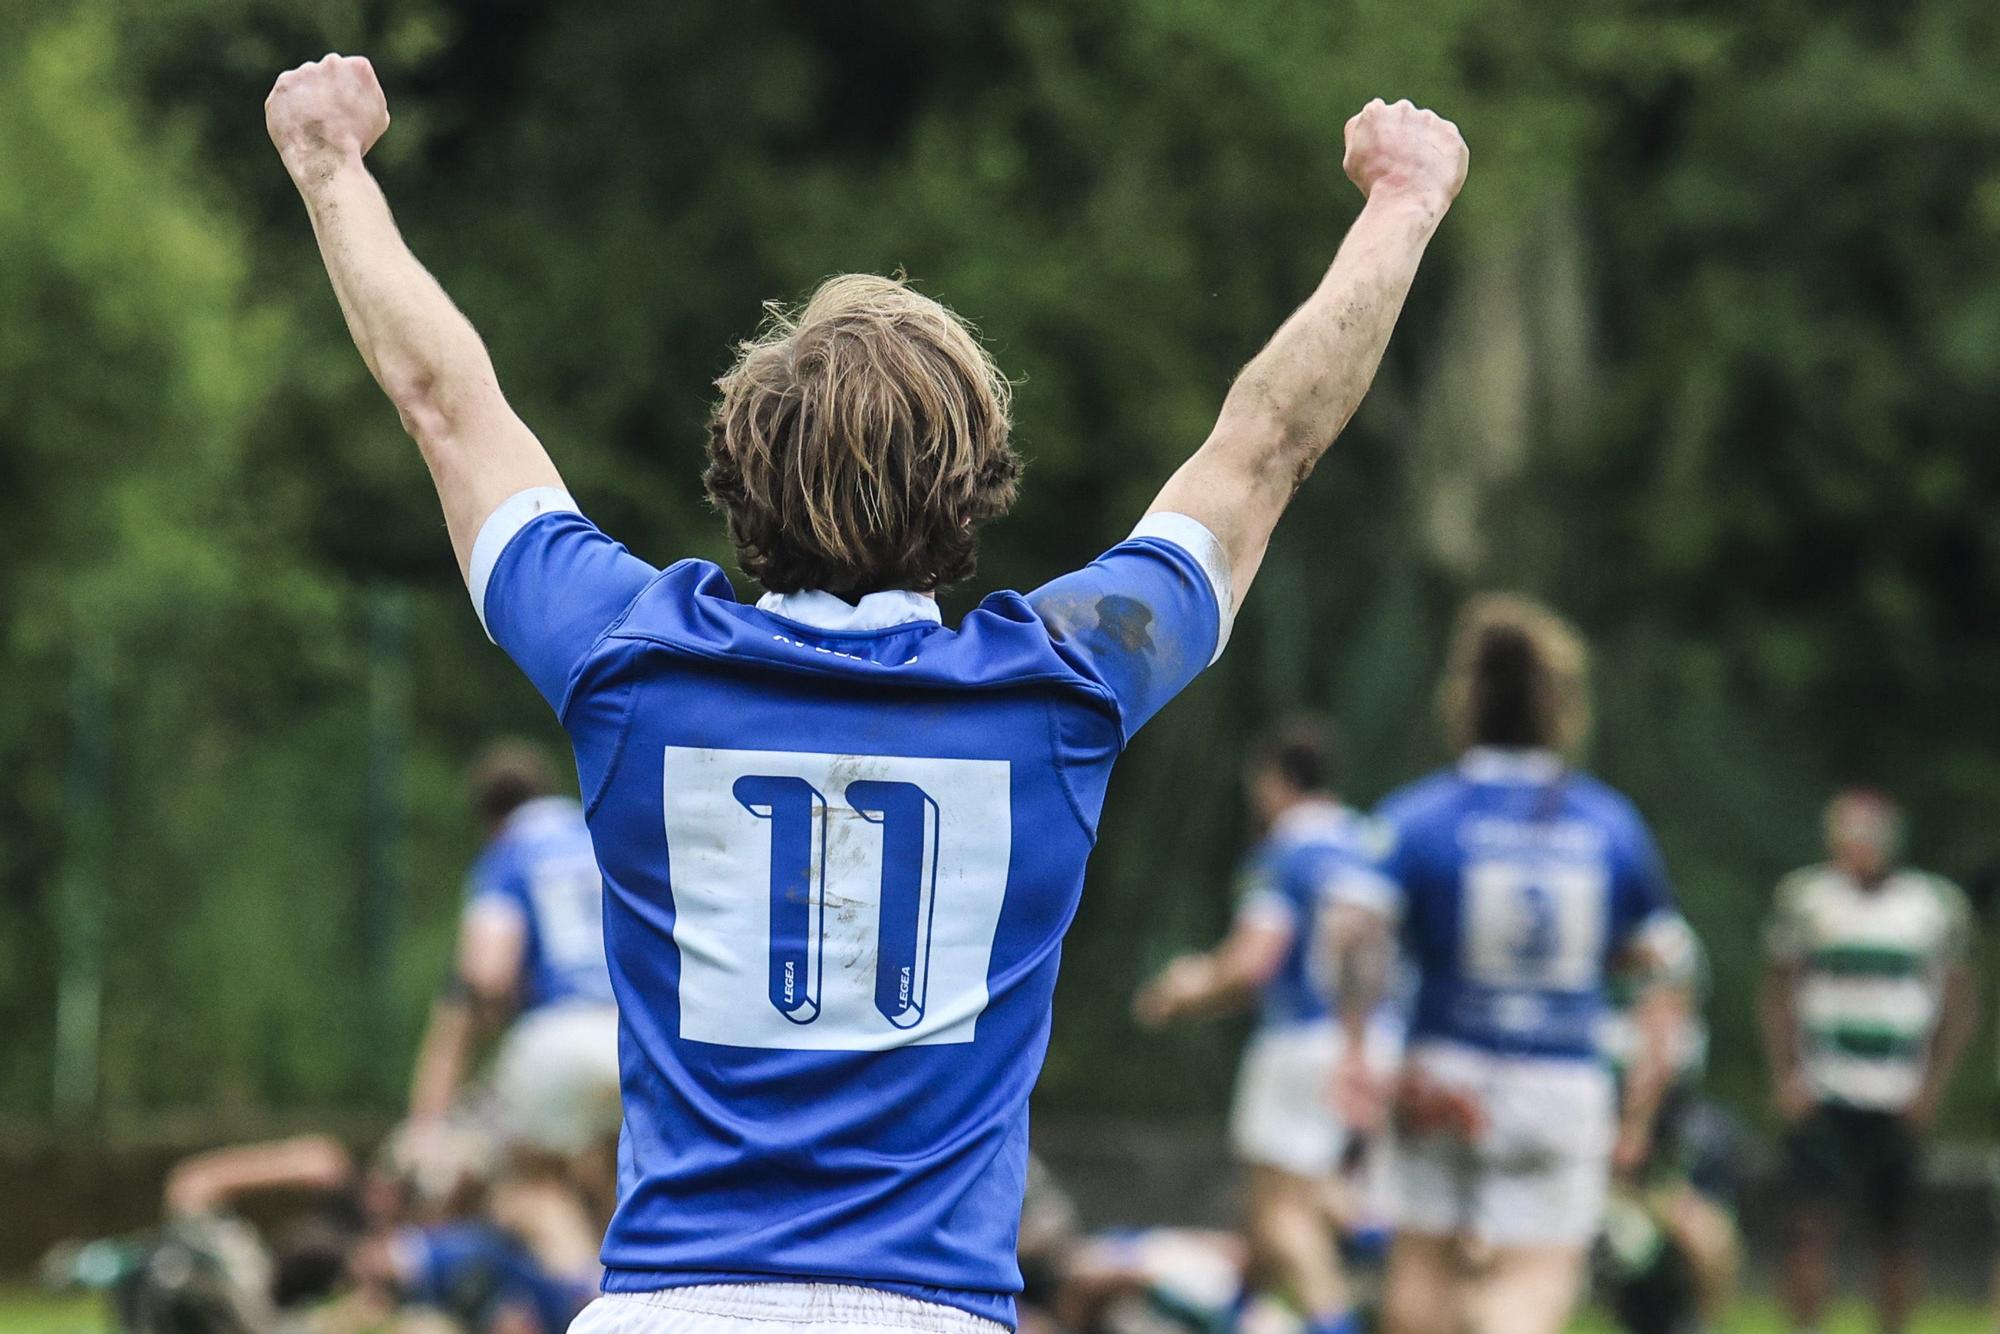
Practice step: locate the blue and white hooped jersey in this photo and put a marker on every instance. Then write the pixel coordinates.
(540, 868)
(1312, 851)
(841, 844)
(1518, 881)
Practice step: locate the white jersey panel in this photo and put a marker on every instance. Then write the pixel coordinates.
(834, 902)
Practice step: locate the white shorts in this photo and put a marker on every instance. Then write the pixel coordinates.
(773, 1308)
(1283, 1114)
(555, 1078)
(1539, 1175)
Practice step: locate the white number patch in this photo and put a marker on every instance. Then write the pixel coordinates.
(569, 911)
(834, 902)
(1534, 923)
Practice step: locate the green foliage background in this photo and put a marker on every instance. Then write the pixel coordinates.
(1706, 356)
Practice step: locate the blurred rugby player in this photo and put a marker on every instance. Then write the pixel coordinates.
(1867, 1006)
(1282, 1127)
(530, 958)
(1517, 882)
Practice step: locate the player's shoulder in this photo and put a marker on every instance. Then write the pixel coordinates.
(1433, 799)
(1802, 886)
(498, 867)
(1601, 800)
(692, 611)
(683, 599)
(1814, 878)
(1942, 889)
(548, 819)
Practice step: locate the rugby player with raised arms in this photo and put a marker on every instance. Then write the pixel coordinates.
(841, 841)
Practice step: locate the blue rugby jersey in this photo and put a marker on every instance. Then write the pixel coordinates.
(1517, 881)
(1288, 878)
(840, 847)
(540, 867)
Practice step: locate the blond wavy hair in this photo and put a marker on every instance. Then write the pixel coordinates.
(859, 442)
(1516, 674)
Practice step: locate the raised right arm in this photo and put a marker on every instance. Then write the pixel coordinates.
(323, 117)
(1296, 396)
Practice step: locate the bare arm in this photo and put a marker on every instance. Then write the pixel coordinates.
(1661, 1013)
(1957, 1018)
(210, 1182)
(442, 1058)
(1224, 979)
(490, 948)
(323, 117)
(1357, 949)
(1358, 946)
(1297, 395)
(1777, 1019)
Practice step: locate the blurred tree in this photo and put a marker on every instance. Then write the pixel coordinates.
(1705, 357)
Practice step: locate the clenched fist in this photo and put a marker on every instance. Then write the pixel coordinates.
(1406, 150)
(325, 112)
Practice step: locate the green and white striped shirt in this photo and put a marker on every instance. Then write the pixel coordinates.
(1872, 970)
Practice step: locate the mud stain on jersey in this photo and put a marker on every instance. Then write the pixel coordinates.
(1126, 622)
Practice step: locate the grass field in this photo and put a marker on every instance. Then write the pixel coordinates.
(23, 1312)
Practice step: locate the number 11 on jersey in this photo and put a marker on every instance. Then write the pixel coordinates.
(834, 902)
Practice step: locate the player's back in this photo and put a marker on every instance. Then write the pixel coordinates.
(540, 866)
(841, 843)
(1290, 876)
(1520, 879)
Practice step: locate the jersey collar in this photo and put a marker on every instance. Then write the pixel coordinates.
(536, 809)
(875, 611)
(1310, 816)
(1502, 764)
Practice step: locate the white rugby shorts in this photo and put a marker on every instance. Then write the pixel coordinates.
(774, 1308)
(1540, 1174)
(555, 1078)
(1283, 1113)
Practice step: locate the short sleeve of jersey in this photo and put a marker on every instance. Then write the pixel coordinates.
(494, 886)
(1261, 899)
(1143, 619)
(1643, 897)
(1362, 877)
(1955, 941)
(547, 582)
(1785, 933)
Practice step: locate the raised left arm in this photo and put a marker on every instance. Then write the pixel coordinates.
(324, 117)
(1658, 1017)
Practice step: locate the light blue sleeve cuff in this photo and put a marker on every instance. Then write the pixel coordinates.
(1194, 537)
(501, 526)
(1365, 888)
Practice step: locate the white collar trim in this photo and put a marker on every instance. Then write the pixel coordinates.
(1501, 764)
(875, 611)
(1309, 816)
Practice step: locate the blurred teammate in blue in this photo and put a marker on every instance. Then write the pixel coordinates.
(1518, 883)
(530, 957)
(840, 841)
(1282, 1127)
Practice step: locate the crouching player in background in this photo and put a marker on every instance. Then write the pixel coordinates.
(1517, 882)
(1868, 1004)
(1282, 1127)
(1670, 1251)
(404, 1245)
